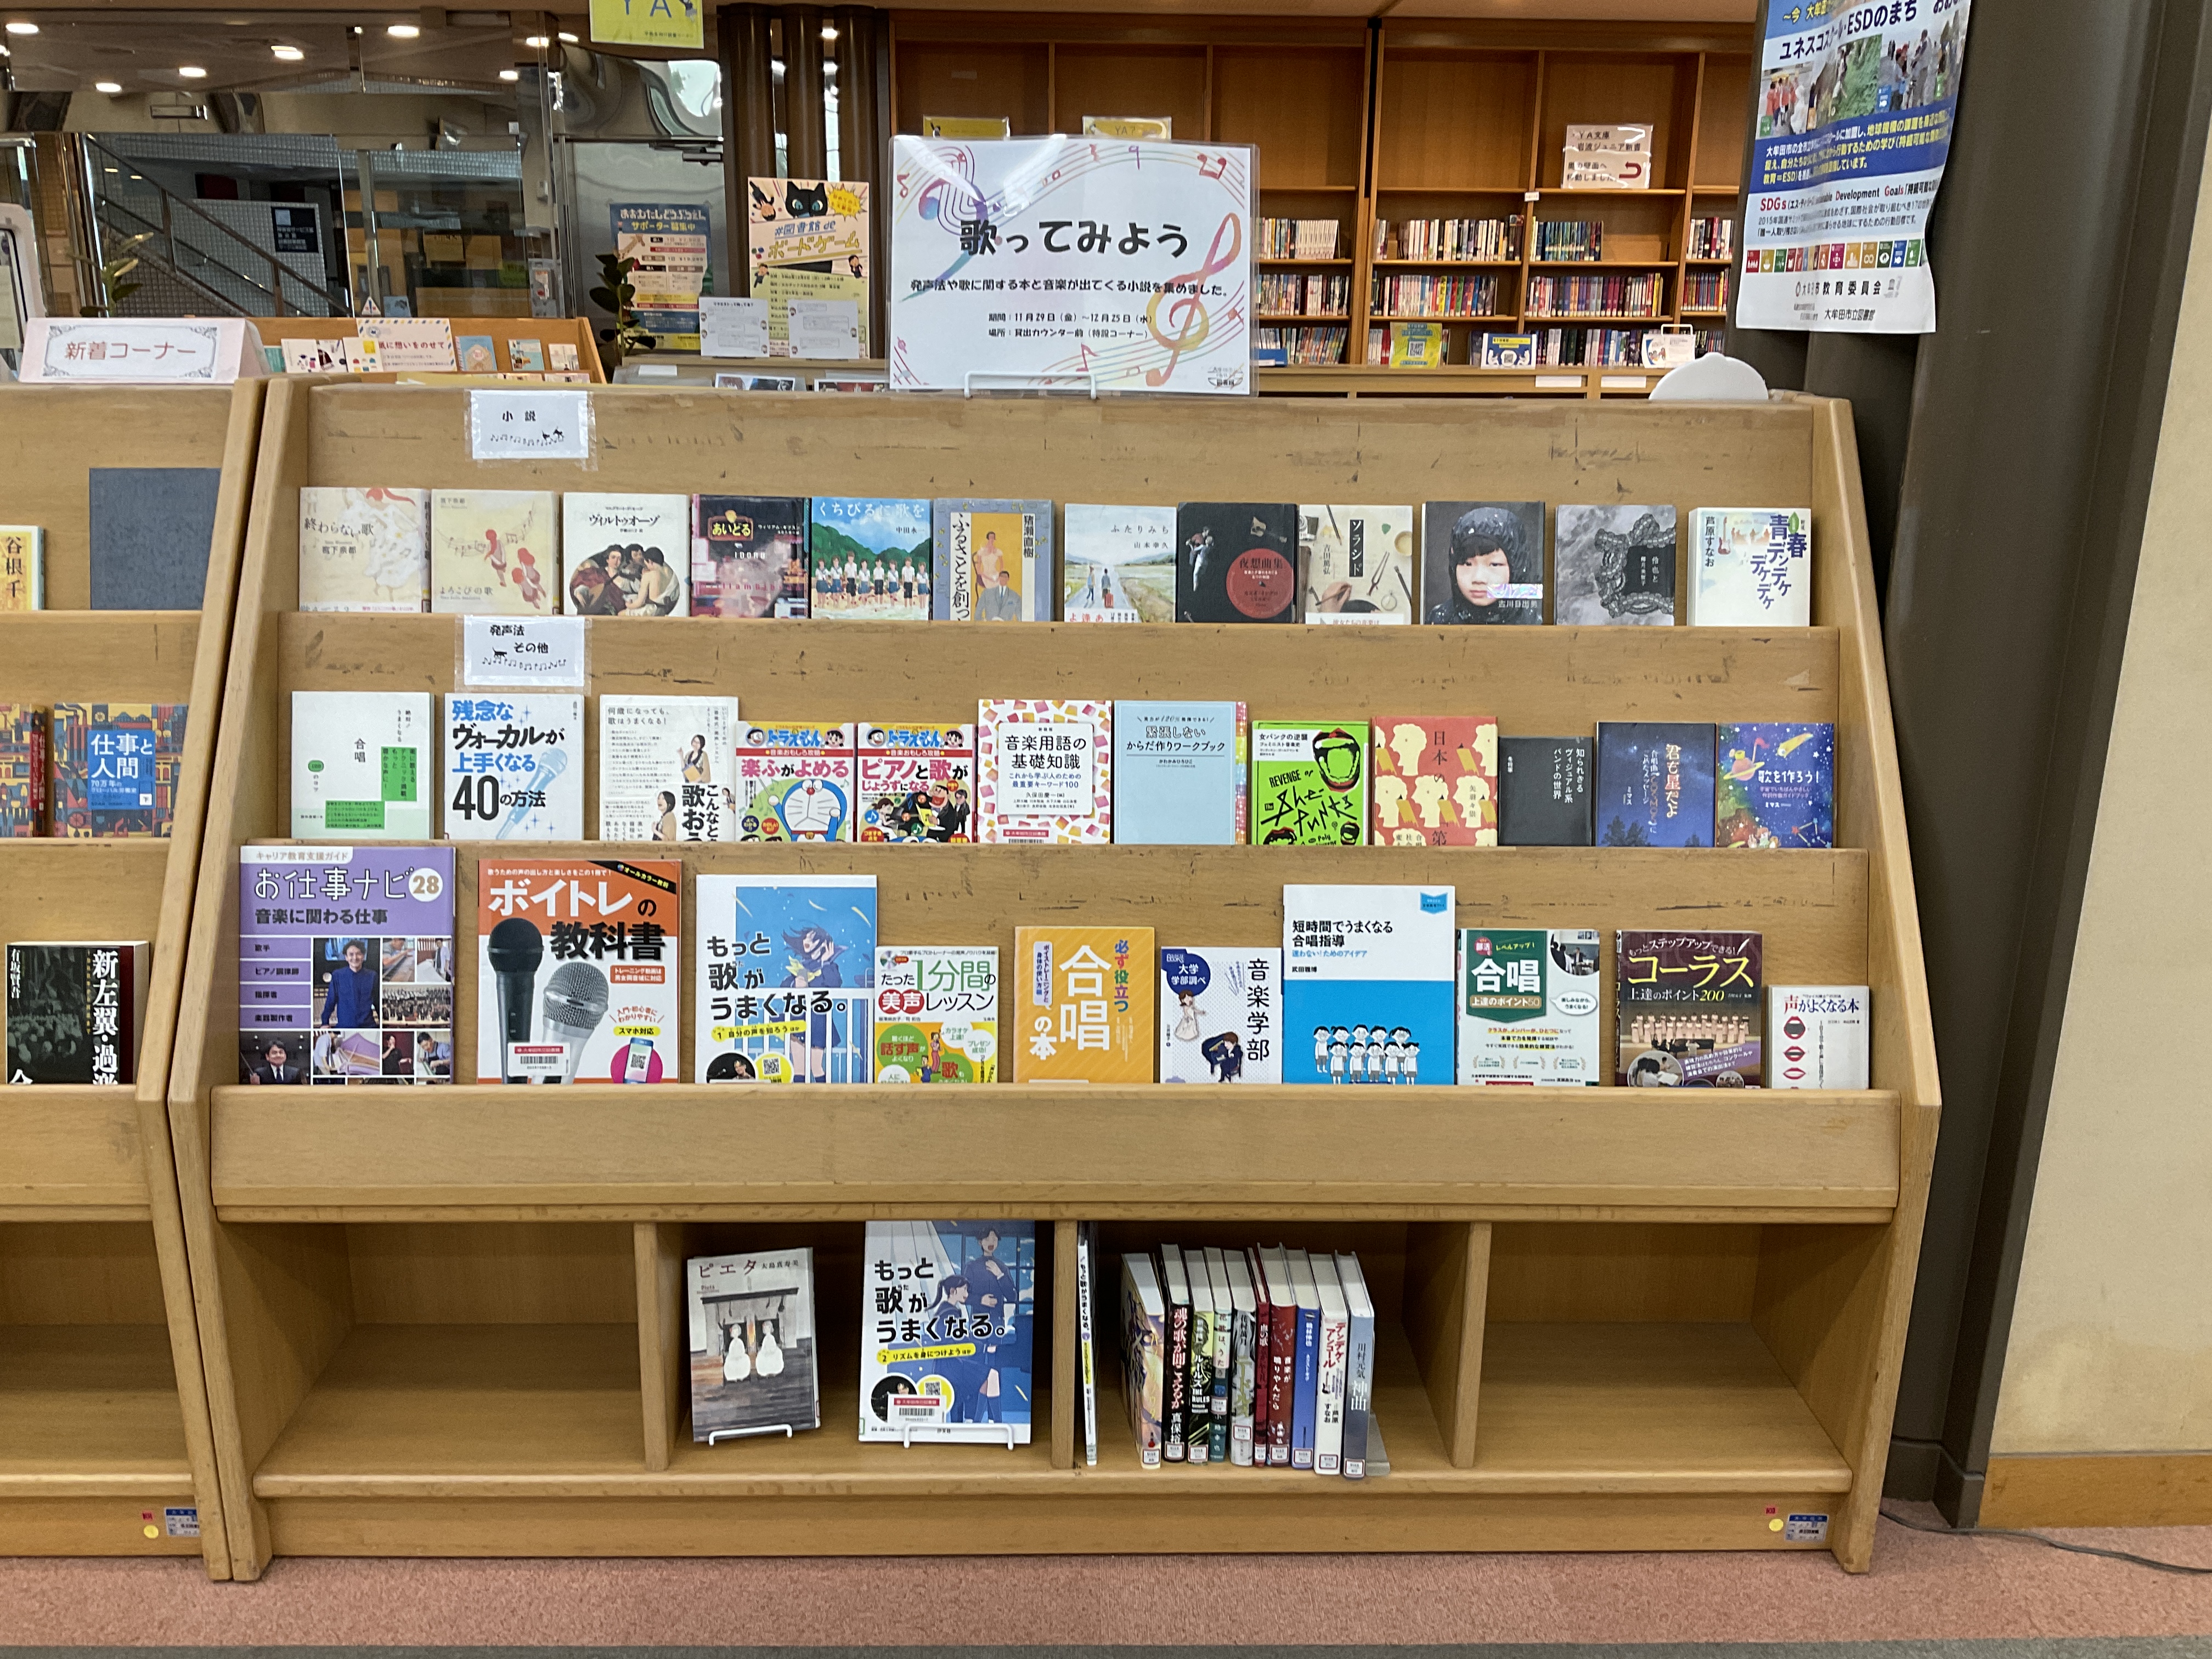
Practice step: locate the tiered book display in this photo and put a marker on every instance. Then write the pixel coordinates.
(104, 1440)
(451, 1320)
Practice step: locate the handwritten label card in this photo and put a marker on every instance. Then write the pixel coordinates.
(522, 651)
(530, 425)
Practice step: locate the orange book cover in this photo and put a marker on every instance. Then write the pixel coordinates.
(1436, 781)
(1085, 1004)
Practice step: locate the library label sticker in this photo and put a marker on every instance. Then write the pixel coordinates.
(522, 651)
(530, 425)
(181, 1522)
(1805, 1530)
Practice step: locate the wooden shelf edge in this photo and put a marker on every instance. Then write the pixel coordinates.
(151, 1482)
(506, 1207)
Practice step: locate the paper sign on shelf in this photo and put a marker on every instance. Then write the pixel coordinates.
(732, 328)
(530, 425)
(827, 328)
(543, 652)
(141, 352)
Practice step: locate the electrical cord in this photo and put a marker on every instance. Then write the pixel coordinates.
(2055, 1543)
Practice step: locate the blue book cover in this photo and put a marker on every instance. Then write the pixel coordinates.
(948, 1331)
(1306, 1380)
(786, 974)
(1776, 785)
(1368, 984)
(1654, 784)
(1179, 774)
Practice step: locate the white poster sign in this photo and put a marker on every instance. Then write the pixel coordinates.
(141, 352)
(1078, 263)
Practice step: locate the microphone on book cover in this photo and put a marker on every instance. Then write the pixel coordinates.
(549, 766)
(575, 1002)
(515, 948)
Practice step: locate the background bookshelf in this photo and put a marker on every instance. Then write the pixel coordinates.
(446, 1321)
(105, 1427)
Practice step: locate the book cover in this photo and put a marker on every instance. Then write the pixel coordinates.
(1117, 563)
(22, 568)
(476, 353)
(1236, 562)
(1044, 771)
(795, 781)
(1436, 781)
(871, 557)
(494, 552)
(994, 561)
(1688, 1010)
(1775, 784)
(1528, 1006)
(948, 1331)
(577, 970)
(786, 979)
(1418, 345)
(364, 549)
(561, 357)
(74, 1011)
(1819, 1035)
(1369, 971)
(1244, 1336)
(151, 529)
(1543, 792)
(1221, 1015)
(1356, 564)
(345, 964)
(1144, 1355)
(411, 343)
(1198, 1432)
(1179, 774)
(1176, 1399)
(1331, 1349)
(23, 770)
(1281, 1379)
(1509, 351)
(114, 768)
(360, 766)
(937, 1013)
(1654, 784)
(752, 1345)
(526, 357)
(1482, 562)
(915, 783)
(668, 768)
(1086, 1334)
(1306, 1387)
(749, 555)
(514, 766)
(1358, 1366)
(1751, 567)
(1615, 565)
(625, 555)
(1085, 1004)
(1309, 784)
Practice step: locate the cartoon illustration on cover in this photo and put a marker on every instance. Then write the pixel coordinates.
(787, 980)
(795, 783)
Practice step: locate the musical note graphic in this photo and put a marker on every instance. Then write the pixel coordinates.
(1187, 312)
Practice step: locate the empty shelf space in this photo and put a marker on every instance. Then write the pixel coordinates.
(90, 1411)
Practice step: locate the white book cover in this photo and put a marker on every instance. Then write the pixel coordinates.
(668, 768)
(407, 343)
(1529, 1007)
(1117, 563)
(361, 766)
(1044, 770)
(948, 1318)
(1221, 1015)
(1817, 1036)
(514, 766)
(364, 549)
(752, 1348)
(495, 553)
(1330, 1375)
(1358, 1366)
(625, 555)
(1368, 984)
(1751, 567)
(1356, 563)
(1244, 1373)
(937, 1013)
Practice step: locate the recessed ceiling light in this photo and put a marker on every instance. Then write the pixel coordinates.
(23, 28)
(192, 72)
(510, 75)
(536, 41)
(569, 38)
(111, 169)
(109, 87)
(829, 31)
(829, 68)
(287, 54)
(402, 30)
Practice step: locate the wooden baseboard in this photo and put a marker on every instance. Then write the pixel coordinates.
(2130, 1489)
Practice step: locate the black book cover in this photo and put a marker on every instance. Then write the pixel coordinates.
(1236, 562)
(151, 528)
(73, 1013)
(1543, 792)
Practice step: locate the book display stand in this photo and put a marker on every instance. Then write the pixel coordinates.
(450, 1319)
(104, 1440)
(569, 330)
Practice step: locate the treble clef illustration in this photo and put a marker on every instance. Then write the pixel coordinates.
(1187, 312)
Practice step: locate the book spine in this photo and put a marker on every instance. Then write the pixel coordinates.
(1282, 1384)
(1086, 1335)
(1218, 1429)
(1329, 1394)
(1198, 1432)
(1306, 1397)
(1174, 1419)
(1358, 1393)
(1243, 776)
(1262, 1354)
(1242, 1401)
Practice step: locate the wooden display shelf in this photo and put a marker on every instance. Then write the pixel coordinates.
(568, 331)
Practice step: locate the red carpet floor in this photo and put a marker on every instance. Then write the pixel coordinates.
(1922, 1586)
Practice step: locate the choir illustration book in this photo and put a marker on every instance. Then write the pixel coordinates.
(786, 977)
(577, 968)
(1368, 977)
(1688, 1010)
(1436, 781)
(948, 1331)
(114, 768)
(364, 549)
(1179, 773)
(1221, 1015)
(514, 766)
(1751, 567)
(1615, 565)
(749, 555)
(871, 557)
(1529, 1007)
(1309, 784)
(1085, 1004)
(916, 783)
(1776, 784)
(494, 552)
(937, 1014)
(360, 766)
(625, 555)
(1236, 562)
(994, 561)
(668, 768)
(1356, 564)
(1482, 562)
(795, 781)
(74, 1011)
(1044, 770)
(1654, 784)
(345, 964)
(1543, 792)
(23, 770)
(1117, 563)
(752, 1351)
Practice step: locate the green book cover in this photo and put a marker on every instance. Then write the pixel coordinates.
(1309, 784)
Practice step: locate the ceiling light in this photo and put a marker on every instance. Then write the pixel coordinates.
(510, 75)
(829, 68)
(829, 31)
(287, 54)
(192, 72)
(23, 28)
(776, 65)
(109, 87)
(402, 30)
(536, 41)
(111, 169)
(569, 38)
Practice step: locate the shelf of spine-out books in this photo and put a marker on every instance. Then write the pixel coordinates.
(104, 1442)
(448, 1319)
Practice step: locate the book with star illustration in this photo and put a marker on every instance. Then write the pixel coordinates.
(1775, 785)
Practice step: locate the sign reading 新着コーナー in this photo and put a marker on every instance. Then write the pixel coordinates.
(1074, 262)
(1854, 112)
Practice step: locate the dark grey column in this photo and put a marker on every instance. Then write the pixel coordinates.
(805, 135)
(864, 125)
(741, 38)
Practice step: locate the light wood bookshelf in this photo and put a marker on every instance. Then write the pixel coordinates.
(568, 331)
(447, 1320)
(105, 1425)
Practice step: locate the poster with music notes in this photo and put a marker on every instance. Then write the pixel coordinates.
(1071, 263)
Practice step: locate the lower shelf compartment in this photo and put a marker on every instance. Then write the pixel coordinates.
(90, 1411)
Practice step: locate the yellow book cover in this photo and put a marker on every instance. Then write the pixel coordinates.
(495, 553)
(22, 567)
(1085, 1004)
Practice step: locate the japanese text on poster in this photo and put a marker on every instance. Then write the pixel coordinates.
(807, 240)
(668, 239)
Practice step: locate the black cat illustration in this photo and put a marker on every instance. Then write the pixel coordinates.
(805, 204)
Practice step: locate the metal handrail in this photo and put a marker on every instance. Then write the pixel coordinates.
(176, 272)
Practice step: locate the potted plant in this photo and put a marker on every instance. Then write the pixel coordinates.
(615, 294)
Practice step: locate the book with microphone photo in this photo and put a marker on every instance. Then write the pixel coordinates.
(577, 974)
(514, 766)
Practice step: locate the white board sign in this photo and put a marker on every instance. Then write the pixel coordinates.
(530, 425)
(141, 352)
(522, 651)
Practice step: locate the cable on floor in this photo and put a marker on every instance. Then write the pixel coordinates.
(2055, 1543)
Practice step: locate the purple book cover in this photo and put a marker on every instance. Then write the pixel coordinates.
(345, 964)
